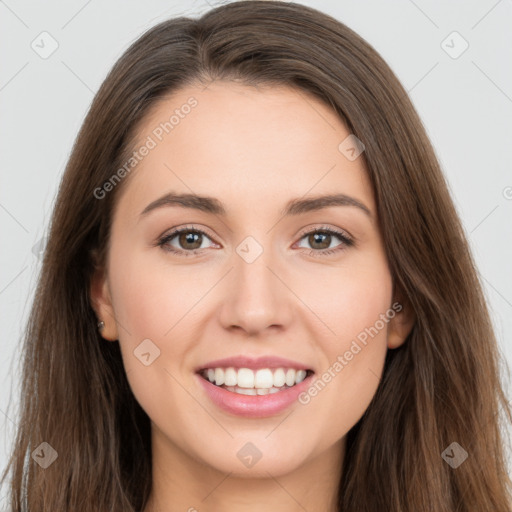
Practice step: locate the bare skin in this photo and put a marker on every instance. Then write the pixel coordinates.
(254, 150)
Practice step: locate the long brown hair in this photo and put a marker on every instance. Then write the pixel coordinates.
(442, 386)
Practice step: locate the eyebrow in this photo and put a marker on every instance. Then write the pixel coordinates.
(293, 207)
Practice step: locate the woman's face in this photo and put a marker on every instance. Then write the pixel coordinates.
(263, 280)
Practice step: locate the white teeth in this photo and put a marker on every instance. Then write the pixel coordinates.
(301, 375)
(219, 376)
(245, 378)
(264, 380)
(254, 391)
(279, 378)
(244, 391)
(230, 377)
(290, 377)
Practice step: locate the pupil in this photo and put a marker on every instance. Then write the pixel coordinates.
(189, 237)
(325, 236)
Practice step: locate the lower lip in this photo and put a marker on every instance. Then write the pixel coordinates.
(254, 406)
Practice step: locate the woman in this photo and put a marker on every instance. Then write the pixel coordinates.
(323, 344)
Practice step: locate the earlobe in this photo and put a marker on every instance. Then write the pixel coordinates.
(400, 326)
(102, 304)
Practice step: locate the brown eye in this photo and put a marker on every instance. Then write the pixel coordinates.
(190, 240)
(320, 240)
(184, 241)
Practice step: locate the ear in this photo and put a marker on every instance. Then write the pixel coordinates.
(401, 324)
(102, 304)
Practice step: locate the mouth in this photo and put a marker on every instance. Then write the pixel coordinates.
(255, 382)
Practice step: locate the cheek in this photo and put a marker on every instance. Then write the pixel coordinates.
(352, 303)
(360, 316)
(149, 304)
(347, 299)
(148, 298)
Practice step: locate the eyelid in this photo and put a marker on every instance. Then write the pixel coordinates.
(169, 234)
(324, 227)
(346, 239)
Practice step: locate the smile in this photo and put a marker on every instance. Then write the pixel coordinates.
(263, 381)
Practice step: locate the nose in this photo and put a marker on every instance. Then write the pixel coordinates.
(256, 296)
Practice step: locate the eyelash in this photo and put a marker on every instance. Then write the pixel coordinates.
(345, 239)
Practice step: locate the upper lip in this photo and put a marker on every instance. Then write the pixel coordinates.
(254, 363)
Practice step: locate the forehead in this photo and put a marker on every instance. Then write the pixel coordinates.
(244, 143)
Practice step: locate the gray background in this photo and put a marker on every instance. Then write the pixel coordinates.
(465, 102)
